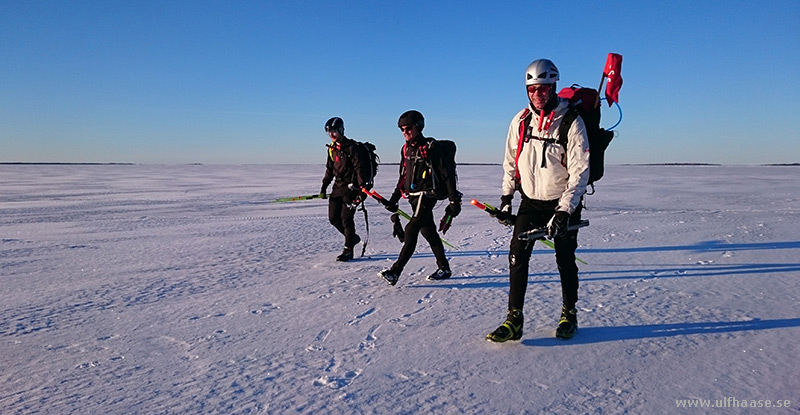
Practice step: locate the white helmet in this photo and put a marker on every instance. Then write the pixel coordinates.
(541, 71)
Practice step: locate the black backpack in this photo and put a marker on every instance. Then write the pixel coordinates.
(447, 149)
(374, 161)
(583, 103)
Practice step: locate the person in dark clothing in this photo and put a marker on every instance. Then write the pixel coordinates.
(348, 166)
(423, 171)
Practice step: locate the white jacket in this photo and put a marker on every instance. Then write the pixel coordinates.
(565, 173)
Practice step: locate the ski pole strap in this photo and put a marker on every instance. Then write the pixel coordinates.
(540, 233)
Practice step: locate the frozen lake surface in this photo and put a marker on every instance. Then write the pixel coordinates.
(180, 290)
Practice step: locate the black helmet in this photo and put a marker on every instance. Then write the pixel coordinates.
(334, 123)
(412, 117)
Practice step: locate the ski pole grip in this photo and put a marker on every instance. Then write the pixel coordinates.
(486, 207)
(375, 195)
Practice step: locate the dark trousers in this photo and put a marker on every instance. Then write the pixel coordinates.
(421, 223)
(535, 214)
(341, 217)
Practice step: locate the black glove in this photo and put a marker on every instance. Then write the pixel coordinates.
(323, 194)
(391, 207)
(397, 228)
(505, 202)
(453, 209)
(391, 204)
(558, 224)
(504, 215)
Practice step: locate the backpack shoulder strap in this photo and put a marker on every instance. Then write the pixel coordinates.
(403, 158)
(566, 122)
(524, 120)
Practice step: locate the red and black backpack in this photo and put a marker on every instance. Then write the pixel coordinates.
(582, 103)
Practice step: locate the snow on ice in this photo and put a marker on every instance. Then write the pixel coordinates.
(130, 289)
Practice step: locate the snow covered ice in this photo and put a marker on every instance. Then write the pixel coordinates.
(129, 289)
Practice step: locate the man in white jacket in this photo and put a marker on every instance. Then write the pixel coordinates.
(551, 179)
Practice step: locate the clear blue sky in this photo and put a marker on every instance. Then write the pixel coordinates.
(254, 81)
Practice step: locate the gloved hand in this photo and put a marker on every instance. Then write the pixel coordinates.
(445, 223)
(397, 228)
(323, 194)
(504, 216)
(453, 209)
(558, 224)
(391, 204)
(505, 202)
(391, 207)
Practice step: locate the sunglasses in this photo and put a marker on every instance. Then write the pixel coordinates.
(406, 128)
(539, 89)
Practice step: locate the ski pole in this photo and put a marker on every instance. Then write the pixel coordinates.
(540, 233)
(294, 198)
(383, 201)
(491, 210)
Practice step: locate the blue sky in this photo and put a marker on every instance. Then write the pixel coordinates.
(235, 82)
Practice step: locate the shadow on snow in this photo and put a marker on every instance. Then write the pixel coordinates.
(608, 334)
(707, 246)
(639, 274)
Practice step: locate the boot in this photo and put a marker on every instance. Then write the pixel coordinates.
(511, 329)
(346, 255)
(440, 274)
(568, 324)
(390, 276)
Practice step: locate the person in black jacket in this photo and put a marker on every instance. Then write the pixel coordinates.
(423, 171)
(348, 166)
